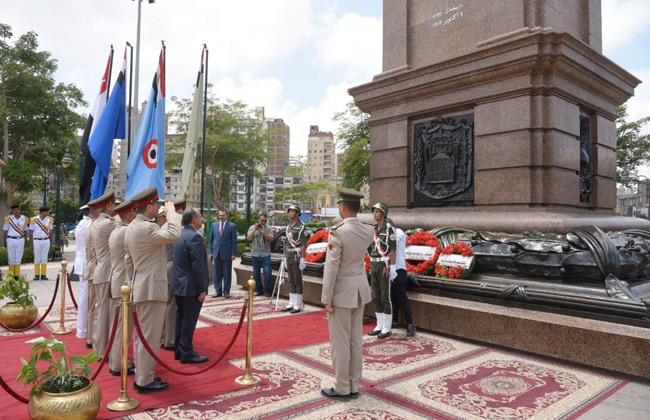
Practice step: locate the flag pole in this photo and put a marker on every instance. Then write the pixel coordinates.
(128, 142)
(205, 104)
(110, 72)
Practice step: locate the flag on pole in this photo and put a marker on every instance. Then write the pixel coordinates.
(88, 162)
(146, 164)
(111, 126)
(191, 142)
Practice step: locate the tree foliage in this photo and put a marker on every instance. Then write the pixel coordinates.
(234, 140)
(37, 114)
(632, 147)
(304, 194)
(354, 138)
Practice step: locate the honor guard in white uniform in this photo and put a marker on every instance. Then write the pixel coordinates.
(145, 248)
(79, 268)
(16, 227)
(119, 277)
(101, 232)
(295, 249)
(345, 293)
(41, 231)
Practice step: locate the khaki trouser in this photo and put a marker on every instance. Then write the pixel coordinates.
(295, 275)
(380, 286)
(151, 315)
(346, 342)
(115, 357)
(103, 321)
(92, 311)
(169, 327)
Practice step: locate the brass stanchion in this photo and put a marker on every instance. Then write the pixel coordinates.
(124, 403)
(64, 278)
(248, 379)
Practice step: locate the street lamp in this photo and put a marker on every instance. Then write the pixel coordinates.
(65, 163)
(626, 179)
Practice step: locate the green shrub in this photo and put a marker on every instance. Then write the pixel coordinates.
(28, 256)
(241, 248)
(4, 256)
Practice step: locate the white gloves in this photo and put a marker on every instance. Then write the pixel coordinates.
(302, 264)
(393, 273)
(284, 263)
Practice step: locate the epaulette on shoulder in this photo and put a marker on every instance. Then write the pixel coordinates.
(336, 226)
(7, 219)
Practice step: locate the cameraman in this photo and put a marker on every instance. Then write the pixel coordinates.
(261, 236)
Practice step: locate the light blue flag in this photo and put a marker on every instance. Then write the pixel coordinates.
(146, 164)
(111, 126)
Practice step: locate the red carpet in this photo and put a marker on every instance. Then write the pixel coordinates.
(268, 335)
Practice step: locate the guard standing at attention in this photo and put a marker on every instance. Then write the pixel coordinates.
(297, 236)
(145, 248)
(382, 270)
(80, 269)
(169, 326)
(16, 227)
(345, 293)
(101, 232)
(41, 231)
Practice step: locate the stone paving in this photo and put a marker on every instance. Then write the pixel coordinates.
(632, 402)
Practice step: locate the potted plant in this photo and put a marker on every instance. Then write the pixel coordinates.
(20, 312)
(61, 388)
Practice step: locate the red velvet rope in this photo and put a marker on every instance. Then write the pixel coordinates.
(35, 324)
(108, 348)
(74, 302)
(136, 322)
(11, 392)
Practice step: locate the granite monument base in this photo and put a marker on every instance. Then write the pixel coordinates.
(593, 343)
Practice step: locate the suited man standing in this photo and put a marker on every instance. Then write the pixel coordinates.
(145, 249)
(189, 285)
(223, 250)
(345, 293)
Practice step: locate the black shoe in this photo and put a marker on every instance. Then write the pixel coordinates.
(410, 330)
(268, 294)
(168, 348)
(89, 346)
(36, 278)
(383, 335)
(374, 332)
(259, 293)
(331, 393)
(287, 309)
(155, 386)
(354, 395)
(296, 310)
(44, 278)
(217, 295)
(195, 359)
(130, 371)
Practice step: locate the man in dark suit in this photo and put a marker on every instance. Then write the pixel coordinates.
(189, 285)
(223, 250)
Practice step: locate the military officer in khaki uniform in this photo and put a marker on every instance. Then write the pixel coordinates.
(119, 277)
(41, 232)
(295, 246)
(169, 326)
(345, 292)
(89, 272)
(101, 232)
(16, 227)
(382, 270)
(145, 245)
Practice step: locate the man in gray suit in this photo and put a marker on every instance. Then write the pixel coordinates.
(345, 292)
(189, 285)
(145, 249)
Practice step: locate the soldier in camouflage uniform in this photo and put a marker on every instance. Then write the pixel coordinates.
(295, 250)
(382, 270)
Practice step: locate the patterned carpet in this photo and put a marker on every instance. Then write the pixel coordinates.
(428, 376)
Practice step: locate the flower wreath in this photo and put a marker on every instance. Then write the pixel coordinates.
(460, 248)
(316, 238)
(425, 239)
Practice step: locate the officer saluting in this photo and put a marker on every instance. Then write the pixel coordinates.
(295, 248)
(15, 228)
(41, 235)
(345, 292)
(382, 270)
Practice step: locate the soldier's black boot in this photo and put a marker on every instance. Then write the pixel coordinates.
(410, 330)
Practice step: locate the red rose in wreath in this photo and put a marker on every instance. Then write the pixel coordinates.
(461, 248)
(424, 239)
(366, 263)
(316, 238)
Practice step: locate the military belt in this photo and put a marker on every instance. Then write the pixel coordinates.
(380, 259)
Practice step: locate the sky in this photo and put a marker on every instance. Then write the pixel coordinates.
(297, 58)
